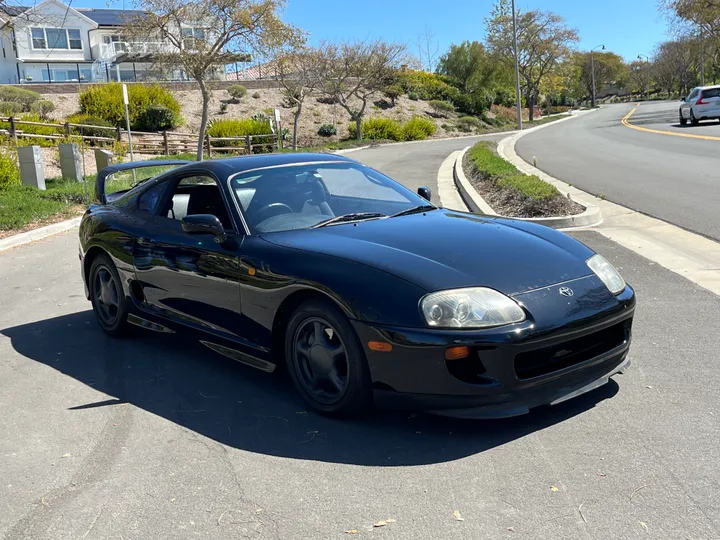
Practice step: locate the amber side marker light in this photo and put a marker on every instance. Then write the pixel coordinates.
(380, 346)
(457, 353)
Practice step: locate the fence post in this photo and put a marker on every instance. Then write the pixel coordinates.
(248, 142)
(118, 133)
(13, 131)
(67, 129)
(165, 143)
(207, 140)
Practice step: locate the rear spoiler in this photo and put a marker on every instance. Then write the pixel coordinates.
(102, 175)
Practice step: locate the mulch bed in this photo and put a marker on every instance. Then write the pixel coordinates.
(510, 203)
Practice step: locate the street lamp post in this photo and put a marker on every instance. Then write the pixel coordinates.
(518, 101)
(647, 69)
(592, 69)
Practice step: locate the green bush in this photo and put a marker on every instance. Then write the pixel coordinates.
(105, 101)
(441, 108)
(529, 186)
(413, 96)
(468, 123)
(157, 118)
(427, 86)
(256, 95)
(378, 129)
(42, 107)
(240, 128)
(10, 108)
(504, 97)
(86, 120)
(237, 92)
(475, 104)
(327, 130)
(393, 92)
(488, 163)
(9, 174)
(19, 95)
(418, 128)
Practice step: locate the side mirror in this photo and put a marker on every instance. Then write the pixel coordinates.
(682, 99)
(204, 224)
(425, 192)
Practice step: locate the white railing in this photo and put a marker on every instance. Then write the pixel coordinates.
(110, 51)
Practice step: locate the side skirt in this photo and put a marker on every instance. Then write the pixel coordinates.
(243, 358)
(148, 325)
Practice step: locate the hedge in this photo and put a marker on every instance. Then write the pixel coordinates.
(105, 101)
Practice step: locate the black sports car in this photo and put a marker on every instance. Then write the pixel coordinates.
(366, 292)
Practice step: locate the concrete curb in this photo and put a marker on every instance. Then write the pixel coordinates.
(591, 215)
(38, 234)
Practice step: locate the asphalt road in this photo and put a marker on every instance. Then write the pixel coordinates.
(669, 177)
(155, 437)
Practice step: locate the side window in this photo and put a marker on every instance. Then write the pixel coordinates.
(693, 94)
(198, 195)
(712, 93)
(148, 200)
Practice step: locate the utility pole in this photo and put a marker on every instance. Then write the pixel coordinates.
(647, 71)
(702, 58)
(592, 69)
(518, 99)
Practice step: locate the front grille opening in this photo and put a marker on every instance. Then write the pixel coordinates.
(469, 370)
(543, 361)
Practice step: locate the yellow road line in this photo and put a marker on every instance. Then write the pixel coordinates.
(626, 123)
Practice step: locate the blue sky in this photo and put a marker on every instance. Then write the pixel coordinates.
(626, 27)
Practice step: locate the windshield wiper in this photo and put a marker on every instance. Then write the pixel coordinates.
(356, 216)
(416, 210)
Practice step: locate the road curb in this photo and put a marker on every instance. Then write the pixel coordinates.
(38, 234)
(591, 215)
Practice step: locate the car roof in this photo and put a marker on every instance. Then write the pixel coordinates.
(710, 87)
(234, 165)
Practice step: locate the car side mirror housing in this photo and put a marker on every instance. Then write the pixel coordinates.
(425, 192)
(682, 99)
(204, 224)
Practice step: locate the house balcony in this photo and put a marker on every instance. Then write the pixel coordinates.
(126, 51)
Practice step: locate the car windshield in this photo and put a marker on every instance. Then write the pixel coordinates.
(318, 194)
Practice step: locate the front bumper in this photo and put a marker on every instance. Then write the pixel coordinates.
(511, 369)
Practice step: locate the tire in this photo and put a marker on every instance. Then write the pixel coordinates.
(683, 121)
(107, 297)
(694, 121)
(325, 360)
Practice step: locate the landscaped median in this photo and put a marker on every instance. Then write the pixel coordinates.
(491, 185)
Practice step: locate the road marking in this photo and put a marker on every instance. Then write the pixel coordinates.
(626, 123)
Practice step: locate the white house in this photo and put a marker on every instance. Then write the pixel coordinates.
(54, 42)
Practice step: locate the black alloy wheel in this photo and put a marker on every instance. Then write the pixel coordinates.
(694, 121)
(683, 121)
(107, 297)
(325, 360)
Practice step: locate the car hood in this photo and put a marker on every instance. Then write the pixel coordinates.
(444, 249)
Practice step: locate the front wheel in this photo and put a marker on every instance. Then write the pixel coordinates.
(683, 121)
(326, 361)
(107, 296)
(694, 121)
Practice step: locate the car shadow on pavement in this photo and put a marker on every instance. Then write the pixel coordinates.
(179, 380)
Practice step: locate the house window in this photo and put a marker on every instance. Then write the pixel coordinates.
(191, 36)
(75, 40)
(38, 38)
(56, 38)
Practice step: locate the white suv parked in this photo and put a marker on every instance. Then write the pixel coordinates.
(703, 103)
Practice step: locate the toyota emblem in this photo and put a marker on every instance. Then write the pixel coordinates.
(566, 291)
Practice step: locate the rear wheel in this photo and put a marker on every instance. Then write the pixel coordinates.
(683, 121)
(107, 296)
(694, 121)
(325, 360)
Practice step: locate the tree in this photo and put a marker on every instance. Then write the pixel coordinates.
(543, 41)
(298, 74)
(640, 76)
(353, 72)
(676, 65)
(428, 48)
(609, 69)
(470, 65)
(201, 36)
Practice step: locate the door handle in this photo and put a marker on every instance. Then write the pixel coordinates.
(146, 242)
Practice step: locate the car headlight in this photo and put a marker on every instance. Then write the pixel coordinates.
(474, 307)
(607, 273)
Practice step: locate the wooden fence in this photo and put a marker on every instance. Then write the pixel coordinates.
(164, 143)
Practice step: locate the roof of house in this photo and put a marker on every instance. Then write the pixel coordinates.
(12, 11)
(111, 17)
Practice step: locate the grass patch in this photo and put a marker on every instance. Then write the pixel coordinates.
(509, 191)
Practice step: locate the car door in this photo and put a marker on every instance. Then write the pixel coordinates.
(190, 277)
